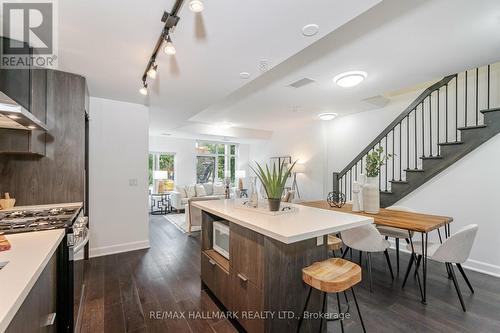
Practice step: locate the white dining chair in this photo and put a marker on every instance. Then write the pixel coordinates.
(367, 239)
(396, 233)
(454, 250)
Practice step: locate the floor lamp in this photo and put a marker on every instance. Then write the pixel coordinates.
(298, 168)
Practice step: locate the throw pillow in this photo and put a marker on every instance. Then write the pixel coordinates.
(182, 191)
(200, 190)
(219, 189)
(191, 191)
(209, 188)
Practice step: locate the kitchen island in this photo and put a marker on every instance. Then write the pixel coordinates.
(261, 281)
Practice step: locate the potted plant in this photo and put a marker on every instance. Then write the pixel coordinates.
(371, 191)
(274, 182)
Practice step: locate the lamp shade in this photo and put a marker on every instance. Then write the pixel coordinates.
(241, 173)
(299, 168)
(158, 174)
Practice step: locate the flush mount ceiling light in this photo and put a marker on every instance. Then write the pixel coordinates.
(310, 30)
(327, 116)
(350, 79)
(244, 75)
(196, 6)
(224, 125)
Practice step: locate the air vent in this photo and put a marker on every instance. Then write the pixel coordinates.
(378, 101)
(301, 83)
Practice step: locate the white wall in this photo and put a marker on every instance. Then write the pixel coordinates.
(305, 144)
(185, 156)
(118, 176)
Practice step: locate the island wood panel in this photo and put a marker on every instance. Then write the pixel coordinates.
(246, 253)
(284, 288)
(393, 218)
(57, 177)
(247, 300)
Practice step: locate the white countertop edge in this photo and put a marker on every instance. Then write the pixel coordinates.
(286, 240)
(6, 318)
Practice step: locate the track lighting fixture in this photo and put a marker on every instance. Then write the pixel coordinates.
(144, 89)
(152, 71)
(170, 20)
(196, 6)
(169, 46)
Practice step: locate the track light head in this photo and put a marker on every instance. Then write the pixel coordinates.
(196, 6)
(144, 90)
(153, 71)
(169, 46)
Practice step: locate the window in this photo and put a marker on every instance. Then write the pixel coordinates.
(160, 169)
(215, 161)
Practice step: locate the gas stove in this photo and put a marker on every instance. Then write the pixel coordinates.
(37, 219)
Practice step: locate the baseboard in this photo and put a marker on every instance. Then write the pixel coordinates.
(113, 249)
(473, 265)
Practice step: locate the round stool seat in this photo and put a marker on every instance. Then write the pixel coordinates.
(332, 275)
(334, 243)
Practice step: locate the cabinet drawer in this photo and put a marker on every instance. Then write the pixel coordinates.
(216, 278)
(247, 299)
(246, 253)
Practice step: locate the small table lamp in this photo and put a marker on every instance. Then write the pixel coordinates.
(298, 168)
(159, 176)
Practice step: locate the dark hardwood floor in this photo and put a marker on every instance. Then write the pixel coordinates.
(124, 289)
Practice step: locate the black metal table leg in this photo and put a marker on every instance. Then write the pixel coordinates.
(425, 238)
(415, 260)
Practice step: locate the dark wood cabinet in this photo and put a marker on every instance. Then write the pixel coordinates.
(38, 314)
(246, 253)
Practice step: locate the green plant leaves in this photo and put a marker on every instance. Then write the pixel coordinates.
(375, 160)
(273, 182)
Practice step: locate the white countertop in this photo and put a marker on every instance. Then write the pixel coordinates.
(29, 254)
(306, 223)
(48, 206)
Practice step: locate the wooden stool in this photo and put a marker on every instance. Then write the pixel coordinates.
(334, 243)
(333, 275)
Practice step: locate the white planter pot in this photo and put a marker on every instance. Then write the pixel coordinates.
(371, 196)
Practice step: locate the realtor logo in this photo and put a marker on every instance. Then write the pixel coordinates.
(28, 34)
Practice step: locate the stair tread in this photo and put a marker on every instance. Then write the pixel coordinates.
(471, 127)
(490, 110)
(398, 181)
(431, 157)
(414, 170)
(451, 143)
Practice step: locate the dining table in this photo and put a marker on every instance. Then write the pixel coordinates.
(412, 222)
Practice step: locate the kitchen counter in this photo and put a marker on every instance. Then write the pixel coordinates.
(48, 206)
(28, 256)
(305, 223)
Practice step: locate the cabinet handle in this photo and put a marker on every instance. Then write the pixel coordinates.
(49, 321)
(242, 277)
(212, 262)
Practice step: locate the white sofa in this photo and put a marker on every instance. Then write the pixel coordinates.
(180, 197)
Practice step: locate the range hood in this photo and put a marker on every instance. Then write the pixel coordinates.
(14, 116)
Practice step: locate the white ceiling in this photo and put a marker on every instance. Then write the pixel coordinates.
(109, 42)
(400, 43)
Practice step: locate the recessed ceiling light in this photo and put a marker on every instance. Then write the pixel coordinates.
(196, 6)
(350, 79)
(310, 30)
(244, 75)
(327, 116)
(166, 134)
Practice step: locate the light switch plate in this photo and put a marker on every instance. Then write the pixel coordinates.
(319, 240)
(132, 182)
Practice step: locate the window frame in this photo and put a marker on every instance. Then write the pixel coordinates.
(226, 155)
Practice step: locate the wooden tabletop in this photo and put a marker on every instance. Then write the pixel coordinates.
(393, 218)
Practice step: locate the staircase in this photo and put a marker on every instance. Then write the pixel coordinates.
(447, 121)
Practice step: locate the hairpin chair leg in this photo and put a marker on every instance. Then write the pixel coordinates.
(397, 255)
(369, 257)
(340, 310)
(345, 252)
(386, 253)
(408, 270)
(465, 277)
(417, 266)
(457, 287)
(323, 309)
(304, 310)
(357, 307)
